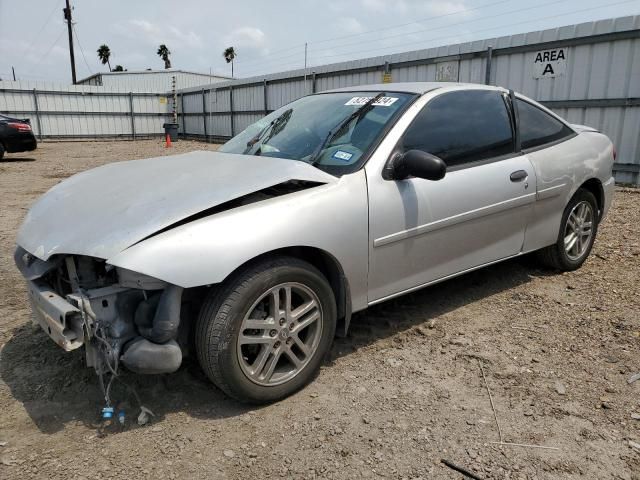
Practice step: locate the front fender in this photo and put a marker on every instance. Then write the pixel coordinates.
(332, 217)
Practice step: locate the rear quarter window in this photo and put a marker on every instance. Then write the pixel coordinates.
(537, 127)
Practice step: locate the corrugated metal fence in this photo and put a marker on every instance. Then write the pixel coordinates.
(84, 111)
(597, 84)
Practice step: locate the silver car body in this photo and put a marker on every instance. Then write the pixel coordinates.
(386, 237)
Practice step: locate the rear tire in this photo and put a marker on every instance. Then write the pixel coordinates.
(263, 334)
(578, 230)
(1, 151)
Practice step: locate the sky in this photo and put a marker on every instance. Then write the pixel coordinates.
(268, 35)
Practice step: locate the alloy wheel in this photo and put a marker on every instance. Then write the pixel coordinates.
(578, 230)
(280, 334)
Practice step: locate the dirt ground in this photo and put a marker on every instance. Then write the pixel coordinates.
(404, 390)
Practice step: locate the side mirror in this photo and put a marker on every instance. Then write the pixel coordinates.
(416, 163)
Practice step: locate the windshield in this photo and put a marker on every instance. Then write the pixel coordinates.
(332, 131)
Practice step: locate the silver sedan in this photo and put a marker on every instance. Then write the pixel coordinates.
(258, 254)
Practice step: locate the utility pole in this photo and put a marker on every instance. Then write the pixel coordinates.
(13, 70)
(67, 17)
(305, 58)
(305, 65)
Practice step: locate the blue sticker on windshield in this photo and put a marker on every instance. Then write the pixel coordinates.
(342, 155)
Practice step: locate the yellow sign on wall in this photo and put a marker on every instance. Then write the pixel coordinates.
(386, 78)
(163, 100)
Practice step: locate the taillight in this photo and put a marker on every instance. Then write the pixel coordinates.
(615, 153)
(21, 127)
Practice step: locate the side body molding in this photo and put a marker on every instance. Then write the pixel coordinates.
(332, 218)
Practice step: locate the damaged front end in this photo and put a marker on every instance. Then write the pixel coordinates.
(121, 317)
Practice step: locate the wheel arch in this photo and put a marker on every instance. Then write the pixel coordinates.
(328, 265)
(594, 186)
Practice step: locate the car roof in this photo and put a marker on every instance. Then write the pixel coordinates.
(407, 87)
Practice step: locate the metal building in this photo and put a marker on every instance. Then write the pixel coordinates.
(151, 81)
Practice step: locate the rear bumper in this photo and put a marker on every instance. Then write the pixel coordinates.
(20, 143)
(62, 321)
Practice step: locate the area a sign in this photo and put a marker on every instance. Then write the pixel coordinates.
(550, 63)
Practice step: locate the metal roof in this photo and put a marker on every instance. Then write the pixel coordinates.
(164, 71)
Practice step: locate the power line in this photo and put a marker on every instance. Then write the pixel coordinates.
(481, 30)
(48, 51)
(422, 20)
(468, 33)
(75, 31)
(270, 58)
(519, 10)
(55, 7)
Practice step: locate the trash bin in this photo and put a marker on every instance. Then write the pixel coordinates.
(171, 129)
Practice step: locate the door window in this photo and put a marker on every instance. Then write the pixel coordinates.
(462, 127)
(537, 127)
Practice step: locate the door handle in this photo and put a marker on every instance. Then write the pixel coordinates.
(518, 176)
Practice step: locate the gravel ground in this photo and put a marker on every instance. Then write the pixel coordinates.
(404, 390)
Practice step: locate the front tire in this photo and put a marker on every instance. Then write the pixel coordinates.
(264, 333)
(1, 151)
(577, 233)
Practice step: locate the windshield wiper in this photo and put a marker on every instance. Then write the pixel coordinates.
(272, 125)
(344, 123)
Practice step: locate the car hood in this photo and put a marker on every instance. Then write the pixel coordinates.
(105, 210)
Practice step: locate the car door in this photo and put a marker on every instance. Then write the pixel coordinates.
(422, 231)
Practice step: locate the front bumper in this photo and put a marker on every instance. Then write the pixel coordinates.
(120, 316)
(61, 320)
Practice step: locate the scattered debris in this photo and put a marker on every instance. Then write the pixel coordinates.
(229, 453)
(526, 445)
(635, 445)
(145, 415)
(461, 342)
(605, 402)
(495, 415)
(560, 388)
(633, 378)
(393, 362)
(422, 331)
(464, 471)
(635, 416)
(517, 327)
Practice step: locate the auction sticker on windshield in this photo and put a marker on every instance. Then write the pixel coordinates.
(382, 102)
(342, 155)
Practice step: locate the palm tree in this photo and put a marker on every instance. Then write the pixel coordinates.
(103, 54)
(163, 53)
(229, 55)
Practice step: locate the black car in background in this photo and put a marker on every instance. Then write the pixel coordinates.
(16, 136)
